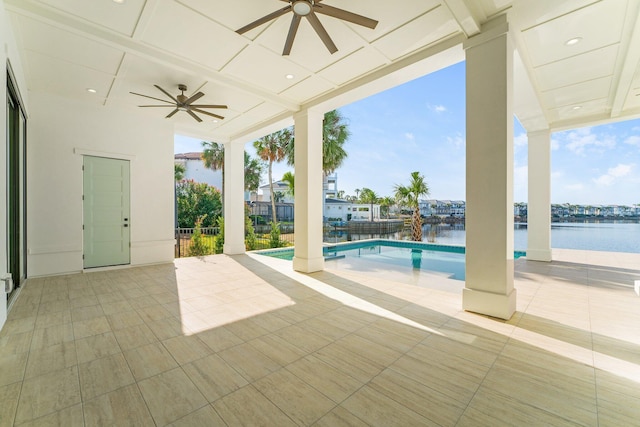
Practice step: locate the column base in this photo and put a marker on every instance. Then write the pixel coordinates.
(231, 249)
(308, 265)
(539, 255)
(495, 305)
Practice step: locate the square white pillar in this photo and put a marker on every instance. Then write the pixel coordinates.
(308, 255)
(539, 205)
(234, 198)
(489, 172)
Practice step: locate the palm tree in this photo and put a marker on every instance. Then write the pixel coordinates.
(369, 196)
(357, 191)
(289, 178)
(271, 148)
(335, 133)
(386, 202)
(213, 157)
(409, 196)
(179, 171)
(253, 169)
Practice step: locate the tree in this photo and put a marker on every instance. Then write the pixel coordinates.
(271, 148)
(357, 191)
(253, 169)
(386, 203)
(335, 132)
(197, 200)
(290, 179)
(409, 196)
(369, 196)
(340, 194)
(213, 157)
(178, 171)
(278, 196)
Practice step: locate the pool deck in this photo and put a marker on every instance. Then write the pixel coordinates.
(244, 340)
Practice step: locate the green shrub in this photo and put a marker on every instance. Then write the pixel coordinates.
(274, 235)
(250, 239)
(219, 240)
(199, 246)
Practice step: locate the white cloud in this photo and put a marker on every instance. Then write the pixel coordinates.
(613, 174)
(633, 140)
(580, 140)
(437, 108)
(410, 136)
(520, 140)
(555, 144)
(574, 187)
(457, 141)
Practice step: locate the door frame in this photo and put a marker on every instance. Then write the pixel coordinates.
(102, 156)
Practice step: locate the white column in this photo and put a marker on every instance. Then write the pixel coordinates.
(308, 255)
(539, 205)
(234, 198)
(489, 189)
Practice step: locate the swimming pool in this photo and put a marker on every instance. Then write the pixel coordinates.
(416, 255)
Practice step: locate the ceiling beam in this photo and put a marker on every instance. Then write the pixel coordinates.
(43, 13)
(464, 16)
(630, 52)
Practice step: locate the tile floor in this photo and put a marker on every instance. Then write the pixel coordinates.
(243, 340)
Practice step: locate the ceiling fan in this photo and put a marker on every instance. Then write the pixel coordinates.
(183, 103)
(308, 9)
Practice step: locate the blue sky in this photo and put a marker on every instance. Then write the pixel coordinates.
(420, 126)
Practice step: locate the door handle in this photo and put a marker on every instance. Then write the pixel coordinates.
(126, 225)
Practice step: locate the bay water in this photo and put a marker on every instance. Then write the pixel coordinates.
(608, 236)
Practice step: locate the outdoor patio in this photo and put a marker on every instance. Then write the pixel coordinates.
(243, 340)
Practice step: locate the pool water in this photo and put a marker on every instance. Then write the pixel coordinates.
(415, 255)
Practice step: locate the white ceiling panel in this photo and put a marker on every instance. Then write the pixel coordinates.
(591, 65)
(232, 14)
(66, 79)
(308, 49)
(63, 45)
(256, 116)
(390, 15)
(577, 94)
(355, 65)
(119, 17)
(191, 35)
(421, 32)
(308, 89)
(598, 25)
(596, 107)
(265, 69)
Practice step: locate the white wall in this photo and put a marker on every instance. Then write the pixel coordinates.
(196, 170)
(60, 131)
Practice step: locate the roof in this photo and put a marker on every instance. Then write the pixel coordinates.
(188, 156)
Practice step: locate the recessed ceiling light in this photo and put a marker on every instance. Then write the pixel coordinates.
(118, 1)
(577, 107)
(573, 41)
(91, 90)
(215, 120)
(289, 76)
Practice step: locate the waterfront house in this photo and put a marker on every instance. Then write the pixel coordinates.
(195, 169)
(343, 210)
(233, 339)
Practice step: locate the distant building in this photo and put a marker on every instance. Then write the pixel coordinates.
(342, 210)
(196, 170)
(278, 187)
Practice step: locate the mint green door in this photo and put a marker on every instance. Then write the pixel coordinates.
(106, 228)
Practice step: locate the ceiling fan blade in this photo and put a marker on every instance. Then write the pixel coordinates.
(172, 113)
(194, 97)
(345, 15)
(167, 93)
(207, 113)
(264, 19)
(192, 114)
(208, 106)
(147, 96)
(293, 29)
(172, 106)
(320, 30)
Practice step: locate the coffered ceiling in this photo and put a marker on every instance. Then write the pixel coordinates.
(118, 47)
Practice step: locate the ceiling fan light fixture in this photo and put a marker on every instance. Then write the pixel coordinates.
(302, 7)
